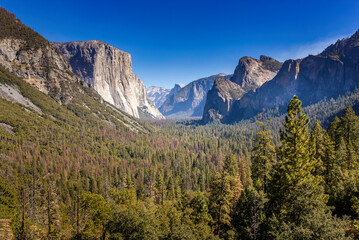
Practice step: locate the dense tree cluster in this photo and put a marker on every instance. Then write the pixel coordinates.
(68, 175)
(12, 28)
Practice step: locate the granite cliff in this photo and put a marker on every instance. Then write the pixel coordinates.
(108, 70)
(327, 75)
(159, 95)
(189, 101)
(31, 57)
(249, 74)
(28, 58)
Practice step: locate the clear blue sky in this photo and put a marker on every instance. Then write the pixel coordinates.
(177, 41)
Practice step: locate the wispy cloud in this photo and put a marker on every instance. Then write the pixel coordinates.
(303, 50)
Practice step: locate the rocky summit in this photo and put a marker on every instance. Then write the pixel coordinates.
(189, 101)
(31, 57)
(108, 70)
(249, 74)
(252, 73)
(159, 95)
(314, 78)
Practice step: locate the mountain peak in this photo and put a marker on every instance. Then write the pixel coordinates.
(253, 72)
(314, 78)
(264, 58)
(341, 46)
(108, 70)
(13, 28)
(178, 85)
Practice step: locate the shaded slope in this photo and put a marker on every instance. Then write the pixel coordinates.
(190, 100)
(327, 75)
(249, 74)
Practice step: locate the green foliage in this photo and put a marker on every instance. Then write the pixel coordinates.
(296, 164)
(8, 200)
(299, 207)
(72, 174)
(250, 217)
(263, 158)
(225, 189)
(12, 28)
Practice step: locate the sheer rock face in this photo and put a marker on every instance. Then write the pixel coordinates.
(189, 101)
(159, 95)
(109, 71)
(220, 99)
(327, 75)
(249, 74)
(253, 72)
(43, 67)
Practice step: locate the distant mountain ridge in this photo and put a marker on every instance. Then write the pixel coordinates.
(159, 95)
(249, 74)
(189, 101)
(313, 78)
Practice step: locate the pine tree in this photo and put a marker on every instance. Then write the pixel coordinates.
(250, 217)
(224, 193)
(160, 189)
(51, 210)
(297, 163)
(349, 130)
(298, 206)
(329, 161)
(318, 146)
(249, 214)
(333, 130)
(220, 202)
(263, 157)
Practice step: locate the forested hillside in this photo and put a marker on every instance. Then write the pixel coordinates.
(73, 166)
(65, 174)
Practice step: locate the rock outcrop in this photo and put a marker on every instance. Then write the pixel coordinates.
(253, 73)
(220, 99)
(326, 75)
(108, 70)
(189, 101)
(159, 95)
(249, 74)
(26, 56)
(31, 57)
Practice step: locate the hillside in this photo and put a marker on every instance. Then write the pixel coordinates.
(22, 101)
(29, 56)
(314, 78)
(189, 101)
(249, 74)
(159, 95)
(108, 70)
(75, 166)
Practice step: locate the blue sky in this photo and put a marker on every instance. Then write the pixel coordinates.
(177, 41)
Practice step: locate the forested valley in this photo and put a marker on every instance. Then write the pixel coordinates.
(180, 180)
(78, 165)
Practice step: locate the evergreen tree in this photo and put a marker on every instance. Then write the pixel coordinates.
(263, 158)
(349, 130)
(333, 130)
(250, 213)
(297, 164)
(298, 207)
(224, 191)
(330, 163)
(160, 189)
(317, 142)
